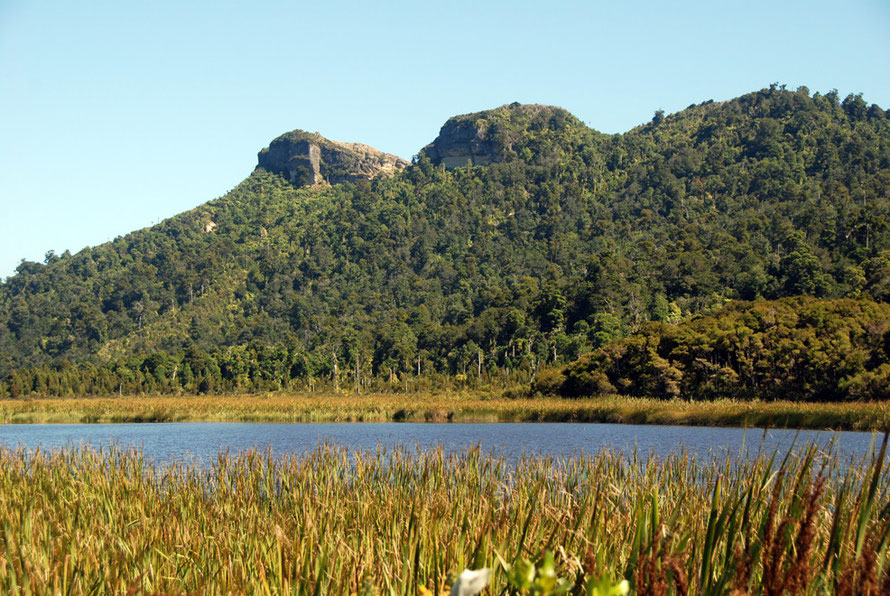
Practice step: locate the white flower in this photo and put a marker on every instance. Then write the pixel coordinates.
(470, 583)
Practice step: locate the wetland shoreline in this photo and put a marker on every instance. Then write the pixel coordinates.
(444, 408)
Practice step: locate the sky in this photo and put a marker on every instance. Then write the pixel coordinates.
(116, 115)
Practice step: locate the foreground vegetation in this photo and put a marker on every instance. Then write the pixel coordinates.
(446, 407)
(335, 522)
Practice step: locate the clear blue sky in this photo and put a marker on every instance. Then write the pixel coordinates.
(115, 115)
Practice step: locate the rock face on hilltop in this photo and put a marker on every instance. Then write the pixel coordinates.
(310, 159)
(495, 135)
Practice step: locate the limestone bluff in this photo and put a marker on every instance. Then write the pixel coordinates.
(500, 134)
(480, 138)
(309, 159)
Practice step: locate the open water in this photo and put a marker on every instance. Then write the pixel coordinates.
(190, 442)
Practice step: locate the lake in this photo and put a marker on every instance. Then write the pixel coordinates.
(201, 441)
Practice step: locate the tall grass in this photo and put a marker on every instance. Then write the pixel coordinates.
(445, 407)
(79, 521)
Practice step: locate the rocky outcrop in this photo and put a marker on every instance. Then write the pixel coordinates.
(491, 136)
(463, 141)
(310, 159)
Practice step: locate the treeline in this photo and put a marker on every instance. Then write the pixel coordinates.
(798, 349)
(576, 238)
(260, 367)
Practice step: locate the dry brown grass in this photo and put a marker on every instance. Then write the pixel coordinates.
(444, 407)
(339, 522)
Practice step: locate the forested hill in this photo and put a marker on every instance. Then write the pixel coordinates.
(519, 236)
(798, 349)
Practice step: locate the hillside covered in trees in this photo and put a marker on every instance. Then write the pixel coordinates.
(797, 349)
(519, 237)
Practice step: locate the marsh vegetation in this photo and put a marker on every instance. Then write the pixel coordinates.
(339, 522)
(445, 407)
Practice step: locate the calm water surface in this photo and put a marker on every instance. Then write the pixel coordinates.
(201, 441)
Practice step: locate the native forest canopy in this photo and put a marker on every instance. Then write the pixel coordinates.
(517, 240)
